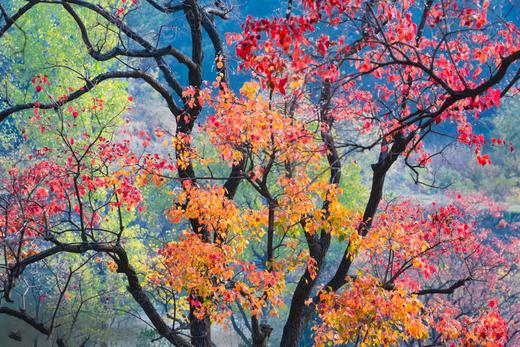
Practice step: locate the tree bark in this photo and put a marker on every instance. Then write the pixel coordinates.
(200, 330)
(261, 333)
(300, 313)
(140, 296)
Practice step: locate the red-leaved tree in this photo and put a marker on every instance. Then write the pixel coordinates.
(328, 80)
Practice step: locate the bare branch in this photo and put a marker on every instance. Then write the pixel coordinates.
(117, 51)
(11, 20)
(91, 84)
(165, 8)
(449, 290)
(22, 315)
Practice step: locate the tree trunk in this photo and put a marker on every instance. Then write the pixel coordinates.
(140, 296)
(200, 330)
(261, 333)
(294, 327)
(300, 314)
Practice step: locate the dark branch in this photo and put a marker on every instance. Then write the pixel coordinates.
(125, 29)
(124, 267)
(117, 51)
(165, 8)
(91, 84)
(22, 315)
(11, 20)
(449, 290)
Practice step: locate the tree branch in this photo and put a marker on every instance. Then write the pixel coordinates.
(124, 267)
(450, 290)
(117, 51)
(91, 84)
(165, 8)
(22, 315)
(11, 20)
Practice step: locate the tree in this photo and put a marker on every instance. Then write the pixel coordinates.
(113, 29)
(329, 79)
(432, 65)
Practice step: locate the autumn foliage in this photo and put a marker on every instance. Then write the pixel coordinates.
(280, 238)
